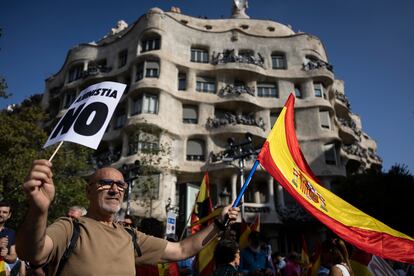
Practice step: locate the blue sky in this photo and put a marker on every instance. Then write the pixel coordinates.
(370, 43)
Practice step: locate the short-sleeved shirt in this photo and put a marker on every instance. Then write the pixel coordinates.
(7, 232)
(100, 249)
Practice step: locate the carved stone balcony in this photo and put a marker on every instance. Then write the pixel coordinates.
(355, 150)
(343, 99)
(345, 123)
(229, 56)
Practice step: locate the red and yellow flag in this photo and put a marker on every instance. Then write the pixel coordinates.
(282, 158)
(202, 206)
(247, 229)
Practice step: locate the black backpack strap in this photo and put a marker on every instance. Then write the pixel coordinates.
(134, 240)
(71, 247)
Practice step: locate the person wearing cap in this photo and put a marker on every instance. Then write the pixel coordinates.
(104, 247)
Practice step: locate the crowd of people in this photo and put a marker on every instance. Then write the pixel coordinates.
(95, 242)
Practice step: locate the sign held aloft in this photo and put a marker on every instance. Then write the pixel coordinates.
(88, 117)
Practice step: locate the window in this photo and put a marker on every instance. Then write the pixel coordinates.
(190, 115)
(75, 73)
(182, 81)
(319, 91)
(298, 92)
(120, 119)
(268, 90)
(273, 117)
(122, 58)
(199, 55)
(148, 103)
(330, 154)
(70, 97)
(278, 61)
(143, 142)
(325, 119)
(207, 85)
(150, 44)
(195, 150)
(152, 69)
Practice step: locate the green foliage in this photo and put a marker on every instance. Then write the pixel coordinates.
(384, 196)
(21, 142)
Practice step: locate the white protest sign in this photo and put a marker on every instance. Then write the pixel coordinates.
(87, 118)
(171, 221)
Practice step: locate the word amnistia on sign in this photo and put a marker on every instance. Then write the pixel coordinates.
(87, 118)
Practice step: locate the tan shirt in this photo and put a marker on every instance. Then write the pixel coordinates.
(100, 249)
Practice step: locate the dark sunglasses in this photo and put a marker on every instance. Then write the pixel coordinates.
(108, 183)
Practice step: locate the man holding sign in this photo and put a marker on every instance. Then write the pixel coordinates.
(104, 247)
(97, 245)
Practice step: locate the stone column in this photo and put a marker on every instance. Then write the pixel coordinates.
(234, 186)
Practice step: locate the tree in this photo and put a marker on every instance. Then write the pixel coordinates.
(21, 141)
(384, 196)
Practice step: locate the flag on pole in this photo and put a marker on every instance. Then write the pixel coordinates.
(247, 229)
(204, 261)
(282, 158)
(304, 254)
(203, 206)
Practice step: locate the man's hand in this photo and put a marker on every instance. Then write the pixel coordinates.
(39, 186)
(4, 242)
(231, 212)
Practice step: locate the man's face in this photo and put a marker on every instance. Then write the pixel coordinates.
(5, 214)
(104, 197)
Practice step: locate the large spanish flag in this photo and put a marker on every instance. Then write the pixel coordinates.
(282, 158)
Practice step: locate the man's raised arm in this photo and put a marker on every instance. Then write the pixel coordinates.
(32, 243)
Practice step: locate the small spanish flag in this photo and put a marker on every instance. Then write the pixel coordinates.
(282, 157)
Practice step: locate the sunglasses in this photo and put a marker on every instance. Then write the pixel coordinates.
(107, 184)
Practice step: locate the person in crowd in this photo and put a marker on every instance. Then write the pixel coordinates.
(7, 240)
(253, 259)
(106, 248)
(76, 212)
(293, 267)
(335, 257)
(227, 258)
(230, 234)
(279, 263)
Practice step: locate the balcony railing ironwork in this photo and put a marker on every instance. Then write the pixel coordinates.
(232, 119)
(230, 56)
(235, 90)
(317, 64)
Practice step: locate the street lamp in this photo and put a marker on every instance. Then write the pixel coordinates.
(241, 151)
(131, 172)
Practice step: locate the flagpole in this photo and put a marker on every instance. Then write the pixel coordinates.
(243, 189)
(56, 150)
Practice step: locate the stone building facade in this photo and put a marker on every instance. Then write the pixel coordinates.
(193, 83)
